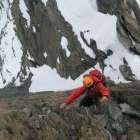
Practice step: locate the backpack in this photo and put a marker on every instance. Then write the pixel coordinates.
(99, 75)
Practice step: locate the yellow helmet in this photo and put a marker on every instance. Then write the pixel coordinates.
(88, 81)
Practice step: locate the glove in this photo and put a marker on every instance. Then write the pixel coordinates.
(104, 99)
(63, 106)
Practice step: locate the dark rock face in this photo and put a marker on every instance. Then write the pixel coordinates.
(12, 90)
(117, 123)
(100, 55)
(128, 110)
(126, 71)
(128, 93)
(128, 14)
(110, 6)
(50, 28)
(124, 112)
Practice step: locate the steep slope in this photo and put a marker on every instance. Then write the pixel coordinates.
(39, 118)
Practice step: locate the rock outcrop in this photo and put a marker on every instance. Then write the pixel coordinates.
(38, 117)
(126, 71)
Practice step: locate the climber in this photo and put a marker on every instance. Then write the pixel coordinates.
(93, 86)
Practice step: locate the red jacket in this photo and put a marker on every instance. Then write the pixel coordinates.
(98, 87)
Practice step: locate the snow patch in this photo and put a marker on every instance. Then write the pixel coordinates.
(29, 56)
(45, 2)
(133, 14)
(34, 29)
(64, 44)
(24, 11)
(58, 60)
(138, 2)
(47, 79)
(45, 54)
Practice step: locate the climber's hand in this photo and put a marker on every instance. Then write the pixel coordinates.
(104, 99)
(63, 106)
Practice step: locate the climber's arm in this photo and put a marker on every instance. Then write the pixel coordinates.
(74, 95)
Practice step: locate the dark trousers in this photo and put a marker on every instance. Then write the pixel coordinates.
(89, 100)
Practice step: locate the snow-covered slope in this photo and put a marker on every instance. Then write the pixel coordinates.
(102, 28)
(138, 1)
(83, 16)
(10, 47)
